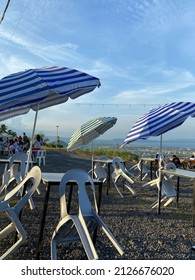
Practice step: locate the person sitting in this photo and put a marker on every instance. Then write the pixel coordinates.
(11, 146)
(191, 163)
(26, 146)
(176, 161)
(192, 157)
(19, 147)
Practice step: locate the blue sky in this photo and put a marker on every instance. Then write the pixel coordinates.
(141, 50)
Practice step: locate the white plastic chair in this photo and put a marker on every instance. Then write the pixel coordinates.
(78, 227)
(40, 157)
(168, 192)
(100, 173)
(16, 172)
(138, 169)
(120, 173)
(102, 157)
(31, 182)
(22, 158)
(7, 178)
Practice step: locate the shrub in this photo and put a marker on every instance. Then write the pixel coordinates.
(124, 154)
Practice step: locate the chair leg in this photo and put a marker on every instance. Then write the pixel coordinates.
(21, 233)
(169, 201)
(118, 190)
(13, 248)
(6, 231)
(82, 232)
(129, 188)
(53, 249)
(85, 238)
(38, 190)
(109, 234)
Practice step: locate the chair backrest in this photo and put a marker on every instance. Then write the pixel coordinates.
(118, 164)
(170, 166)
(103, 157)
(8, 176)
(144, 168)
(31, 183)
(22, 159)
(100, 173)
(18, 156)
(80, 177)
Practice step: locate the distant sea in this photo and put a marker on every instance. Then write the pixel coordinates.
(185, 143)
(181, 147)
(154, 143)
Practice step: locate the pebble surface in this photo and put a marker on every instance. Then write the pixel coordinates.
(142, 233)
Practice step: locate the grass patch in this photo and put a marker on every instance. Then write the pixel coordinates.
(111, 153)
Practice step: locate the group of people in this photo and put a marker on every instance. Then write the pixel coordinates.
(175, 159)
(19, 144)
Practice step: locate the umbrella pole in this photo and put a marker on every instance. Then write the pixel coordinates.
(160, 144)
(92, 159)
(160, 176)
(32, 137)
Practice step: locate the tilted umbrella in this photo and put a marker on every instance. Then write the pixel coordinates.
(160, 120)
(90, 131)
(37, 89)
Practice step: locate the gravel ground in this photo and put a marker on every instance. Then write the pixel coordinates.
(143, 234)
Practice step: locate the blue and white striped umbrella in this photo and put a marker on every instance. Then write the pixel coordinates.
(160, 120)
(41, 88)
(90, 131)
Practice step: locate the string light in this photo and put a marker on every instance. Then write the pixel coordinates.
(114, 104)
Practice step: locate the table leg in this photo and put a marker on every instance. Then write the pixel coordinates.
(99, 196)
(177, 199)
(141, 171)
(40, 240)
(159, 196)
(193, 204)
(151, 167)
(98, 205)
(108, 178)
(155, 169)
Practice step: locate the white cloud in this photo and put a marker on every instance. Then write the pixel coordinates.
(142, 51)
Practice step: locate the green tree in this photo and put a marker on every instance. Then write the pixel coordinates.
(3, 128)
(11, 133)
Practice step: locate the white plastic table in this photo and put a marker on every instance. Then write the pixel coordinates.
(180, 173)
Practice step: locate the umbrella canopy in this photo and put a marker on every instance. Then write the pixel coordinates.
(37, 89)
(42, 88)
(160, 120)
(89, 131)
